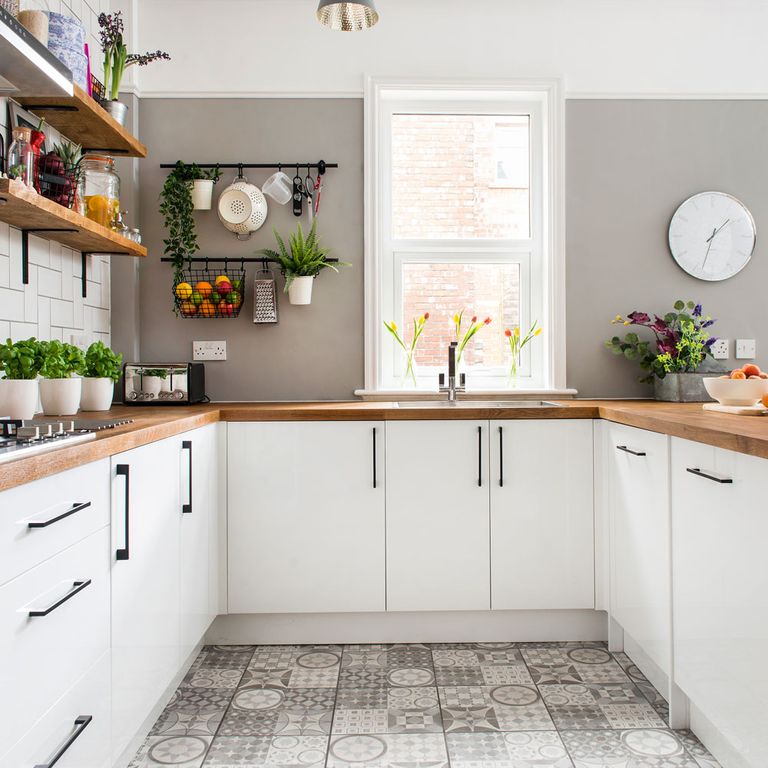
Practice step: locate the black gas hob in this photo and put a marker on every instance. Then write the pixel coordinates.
(20, 439)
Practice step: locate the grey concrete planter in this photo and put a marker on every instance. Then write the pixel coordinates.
(681, 388)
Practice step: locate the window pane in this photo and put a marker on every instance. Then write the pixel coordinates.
(484, 290)
(460, 176)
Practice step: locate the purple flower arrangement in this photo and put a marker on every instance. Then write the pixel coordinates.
(681, 340)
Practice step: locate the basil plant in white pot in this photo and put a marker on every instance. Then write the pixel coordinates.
(102, 370)
(60, 389)
(20, 363)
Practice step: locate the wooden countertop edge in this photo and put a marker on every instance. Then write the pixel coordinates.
(747, 435)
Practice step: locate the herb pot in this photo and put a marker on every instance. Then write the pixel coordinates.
(60, 397)
(681, 388)
(18, 398)
(202, 194)
(117, 110)
(151, 385)
(97, 394)
(300, 291)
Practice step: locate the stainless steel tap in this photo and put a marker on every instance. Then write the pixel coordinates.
(452, 389)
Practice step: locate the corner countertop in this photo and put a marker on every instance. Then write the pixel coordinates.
(744, 434)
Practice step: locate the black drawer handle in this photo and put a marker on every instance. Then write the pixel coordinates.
(479, 457)
(71, 511)
(696, 471)
(374, 457)
(81, 723)
(630, 451)
(125, 552)
(501, 457)
(187, 508)
(77, 586)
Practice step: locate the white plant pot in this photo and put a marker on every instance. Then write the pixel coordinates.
(97, 394)
(300, 290)
(151, 385)
(60, 397)
(18, 398)
(202, 194)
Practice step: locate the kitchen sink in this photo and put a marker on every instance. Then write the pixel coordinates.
(478, 404)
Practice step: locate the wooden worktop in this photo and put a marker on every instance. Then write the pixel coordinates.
(736, 433)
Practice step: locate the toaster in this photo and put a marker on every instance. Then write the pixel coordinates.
(163, 383)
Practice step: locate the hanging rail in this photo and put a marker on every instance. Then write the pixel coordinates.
(321, 165)
(233, 260)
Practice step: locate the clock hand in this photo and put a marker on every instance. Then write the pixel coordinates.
(713, 235)
(709, 247)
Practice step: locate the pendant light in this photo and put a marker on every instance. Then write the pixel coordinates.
(347, 17)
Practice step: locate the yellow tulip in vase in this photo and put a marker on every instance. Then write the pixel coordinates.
(409, 351)
(517, 343)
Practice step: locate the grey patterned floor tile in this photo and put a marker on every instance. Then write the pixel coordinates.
(476, 708)
(656, 700)
(294, 667)
(537, 749)
(697, 750)
(212, 677)
(173, 722)
(388, 751)
(640, 748)
(270, 752)
(387, 710)
(200, 700)
(177, 751)
(230, 656)
(480, 666)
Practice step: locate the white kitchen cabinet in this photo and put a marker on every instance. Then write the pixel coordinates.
(542, 517)
(720, 530)
(198, 522)
(306, 517)
(640, 539)
(146, 513)
(438, 550)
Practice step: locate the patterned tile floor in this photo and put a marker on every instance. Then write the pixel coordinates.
(480, 705)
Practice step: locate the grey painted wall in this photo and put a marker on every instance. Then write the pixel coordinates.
(314, 352)
(629, 164)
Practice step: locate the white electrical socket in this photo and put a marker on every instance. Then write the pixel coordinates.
(209, 350)
(721, 349)
(745, 349)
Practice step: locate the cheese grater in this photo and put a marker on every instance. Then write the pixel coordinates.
(264, 297)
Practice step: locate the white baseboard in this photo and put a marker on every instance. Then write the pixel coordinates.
(438, 627)
(712, 738)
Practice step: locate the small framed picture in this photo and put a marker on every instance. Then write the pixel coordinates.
(22, 118)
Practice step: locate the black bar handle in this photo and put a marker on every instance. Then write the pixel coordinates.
(77, 586)
(479, 457)
(630, 451)
(501, 457)
(374, 457)
(71, 511)
(696, 471)
(81, 723)
(186, 509)
(125, 552)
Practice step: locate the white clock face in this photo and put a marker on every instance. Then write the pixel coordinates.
(712, 236)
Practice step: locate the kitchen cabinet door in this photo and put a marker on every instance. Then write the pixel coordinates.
(197, 520)
(306, 517)
(542, 517)
(719, 534)
(145, 582)
(438, 551)
(640, 538)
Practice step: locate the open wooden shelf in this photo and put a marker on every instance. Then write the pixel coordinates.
(82, 120)
(32, 213)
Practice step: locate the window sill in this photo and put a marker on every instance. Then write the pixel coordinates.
(388, 395)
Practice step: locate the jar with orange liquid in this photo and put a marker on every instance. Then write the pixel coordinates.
(100, 190)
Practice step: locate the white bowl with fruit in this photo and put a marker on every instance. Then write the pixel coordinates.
(747, 386)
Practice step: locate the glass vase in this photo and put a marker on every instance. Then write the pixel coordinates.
(514, 372)
(409, 369)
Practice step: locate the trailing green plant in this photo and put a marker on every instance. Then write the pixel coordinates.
(61, 360)
(304, 258)
(176, 208)
(102, 363)
(160, 373)
(21, 359)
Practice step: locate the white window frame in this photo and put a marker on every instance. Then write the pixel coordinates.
(385, 96)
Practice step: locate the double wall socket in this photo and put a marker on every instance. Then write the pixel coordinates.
(209, 350)
(745, 349)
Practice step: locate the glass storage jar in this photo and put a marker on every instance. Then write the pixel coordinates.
(21, 157)
(100, 190)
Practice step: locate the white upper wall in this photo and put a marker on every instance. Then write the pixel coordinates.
(598, 47)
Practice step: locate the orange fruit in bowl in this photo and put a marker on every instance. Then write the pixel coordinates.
(750, 369)
(184, 290)
(204, 289)
(738, 374)
(207, 309)
(765, 400)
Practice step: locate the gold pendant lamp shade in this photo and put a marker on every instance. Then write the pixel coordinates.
(347, 17)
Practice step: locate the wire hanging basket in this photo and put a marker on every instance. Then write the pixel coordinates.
(209, 294)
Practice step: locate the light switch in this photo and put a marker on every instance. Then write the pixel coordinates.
(745, 349)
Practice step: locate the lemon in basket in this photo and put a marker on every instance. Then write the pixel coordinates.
(184, 291)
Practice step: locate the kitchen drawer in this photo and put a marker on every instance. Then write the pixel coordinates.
(82, 492)
(42, 656)
(88, 698)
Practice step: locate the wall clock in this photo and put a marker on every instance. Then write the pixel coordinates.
(712, 236)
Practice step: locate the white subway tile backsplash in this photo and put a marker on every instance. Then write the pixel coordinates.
(51, 306)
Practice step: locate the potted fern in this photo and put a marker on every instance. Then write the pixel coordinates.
(102, 370)
(60, 390)
(302, 263)
(20, 362)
